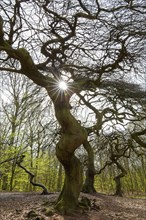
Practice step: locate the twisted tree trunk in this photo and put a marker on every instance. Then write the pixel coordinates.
(72, 136)
(45, 191)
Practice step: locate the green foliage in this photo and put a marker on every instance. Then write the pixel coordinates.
(133, 183)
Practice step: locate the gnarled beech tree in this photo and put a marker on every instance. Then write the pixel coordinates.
(83, 42)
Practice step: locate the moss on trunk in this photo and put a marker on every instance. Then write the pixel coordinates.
(68, 199)
(72, 136)
(88, 186)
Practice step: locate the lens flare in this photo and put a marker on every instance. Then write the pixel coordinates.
(62, 85)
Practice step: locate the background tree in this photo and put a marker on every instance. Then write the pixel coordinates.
(23, 126)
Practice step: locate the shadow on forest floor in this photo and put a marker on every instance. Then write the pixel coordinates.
(20, 206)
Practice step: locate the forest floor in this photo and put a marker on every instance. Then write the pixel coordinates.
(26, 206)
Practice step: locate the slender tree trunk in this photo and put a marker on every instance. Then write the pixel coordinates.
(12, 175)
(12, 139)
(4, 182)
(117, 179)
(88, 186)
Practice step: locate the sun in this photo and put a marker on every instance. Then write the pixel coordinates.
(60, 89)
(62, 85)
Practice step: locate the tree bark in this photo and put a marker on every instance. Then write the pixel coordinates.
(45, 191)
(117, 179)
(5, 182)
(72, 136)
(59, 179)
(68, 199)
(88, 186)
